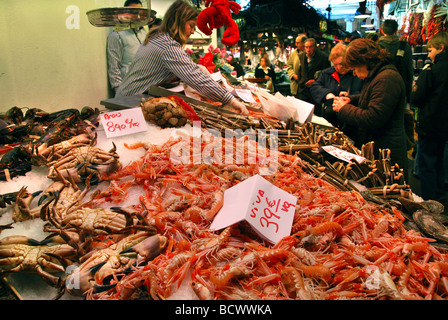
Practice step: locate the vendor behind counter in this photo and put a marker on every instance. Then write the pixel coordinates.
(161, 59)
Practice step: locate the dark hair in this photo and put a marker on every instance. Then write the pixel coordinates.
(129, 2)
(389, 27)
(365, 52)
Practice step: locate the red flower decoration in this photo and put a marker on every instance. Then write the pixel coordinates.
(207, 61)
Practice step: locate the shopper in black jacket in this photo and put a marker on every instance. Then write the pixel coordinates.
(378, 111)
(429, 96)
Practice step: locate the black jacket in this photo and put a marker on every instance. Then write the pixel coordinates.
(309, 71)
(429, 95)
(378, 112)
(330, 81)
(261, 73)
(403, 61)
(327, 83)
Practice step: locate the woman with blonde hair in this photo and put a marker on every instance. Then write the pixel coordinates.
(338, 80)
(161, 58)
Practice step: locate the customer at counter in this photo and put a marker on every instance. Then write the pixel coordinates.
(162, 59)
(312, 62)
(338, 80)
(378, 111)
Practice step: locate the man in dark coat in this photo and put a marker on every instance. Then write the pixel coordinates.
(312, 61)
(401, 53)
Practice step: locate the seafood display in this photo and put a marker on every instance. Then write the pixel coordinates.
(341, 245)
(24, 135)
(357, 232)
(164, 112)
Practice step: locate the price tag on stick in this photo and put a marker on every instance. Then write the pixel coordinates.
(267, 208)
(123, 122)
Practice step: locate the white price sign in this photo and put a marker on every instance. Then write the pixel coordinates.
(123, 122)
(267, 208)
(343, 155)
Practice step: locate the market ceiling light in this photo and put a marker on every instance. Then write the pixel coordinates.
(368, 24)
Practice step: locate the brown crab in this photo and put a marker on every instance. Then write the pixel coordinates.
(99, 269)
(85, 161)
(66, 190)
(81, 221)
(23, 254)
(43, 153)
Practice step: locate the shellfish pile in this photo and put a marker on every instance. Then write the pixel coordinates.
(341, 246)
(164, 112)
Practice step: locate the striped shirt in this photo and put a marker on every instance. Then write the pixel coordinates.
(161, 59)
(121, 49)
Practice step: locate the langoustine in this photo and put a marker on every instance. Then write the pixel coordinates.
(341, 247)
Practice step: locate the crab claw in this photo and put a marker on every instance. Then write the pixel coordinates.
(149, 248)
(17, 239)
(79, 281)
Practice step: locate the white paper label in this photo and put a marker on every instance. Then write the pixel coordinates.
(343, 155)
(245, 95)
(267, 208)
(123, 122)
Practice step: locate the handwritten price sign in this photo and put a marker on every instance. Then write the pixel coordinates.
(342, 154)
(268, 209)
(123, 122)
(268, 213)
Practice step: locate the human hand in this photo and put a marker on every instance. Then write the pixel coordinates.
(329, 96)
(235, 104)
(309, 83)
(340, 102)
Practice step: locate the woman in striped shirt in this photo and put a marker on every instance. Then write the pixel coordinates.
(162, 58)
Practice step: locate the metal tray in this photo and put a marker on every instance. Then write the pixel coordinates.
(121, 17)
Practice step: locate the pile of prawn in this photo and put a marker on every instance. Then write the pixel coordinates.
(340, 247)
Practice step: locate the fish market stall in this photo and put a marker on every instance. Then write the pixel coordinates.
(136, 216)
